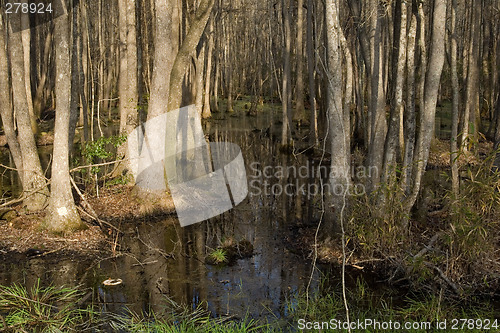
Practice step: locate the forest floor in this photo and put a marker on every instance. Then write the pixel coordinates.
(21, 236)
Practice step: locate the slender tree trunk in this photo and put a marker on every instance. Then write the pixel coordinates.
(300, 112)
(62, 213)
(188, 47)
(311, 64)
(26, 37)
(206, 104)
(410, 119)
(428, 112)
(165, 48)
(338, 123)
(200, 69)
(287, 94)
(391, 142)
(469, 119)
(75, 88)
(34, 184)
(377, 117)
(6, 110)
(455, 101)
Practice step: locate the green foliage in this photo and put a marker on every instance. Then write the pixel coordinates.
(102, 150)
(218, 256)
(41, 309)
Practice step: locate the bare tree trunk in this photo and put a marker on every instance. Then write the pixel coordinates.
(455, 101)
(63, 216)
(391, 142)
(128, 75)
(428, 112)
(34, 183)
(300, 112)
(287, 94)
(338, 123)
(206, 104)
(26, 37)
(311, 64)
(410, 119)
(165, 48)
(200, 64)
(469, 119)
(188, 47)
(376, 108)
(6, 110)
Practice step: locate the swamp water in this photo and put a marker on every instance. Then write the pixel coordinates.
(159, 258)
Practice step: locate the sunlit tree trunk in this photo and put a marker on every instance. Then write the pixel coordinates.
(200, 68)
(128, 74)
(469, 119)
(26, 37)
(62, 212)
(338, 123)
(165, 48)
(391, 142)
(410, 117)
(206, 104)
(187, 49)
(34, 185)
(6, 109)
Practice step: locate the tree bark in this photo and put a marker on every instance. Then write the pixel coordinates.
(454, 102)
(311, 65)
(410, 117)
(286, 80)
(391, 142)
(206, 113)
(428, 112)
(300, 112)
(188, 47)
(62, 214)
(34, 184)
(165, 48)
(338, 123)
(376, 108)
(6, 110)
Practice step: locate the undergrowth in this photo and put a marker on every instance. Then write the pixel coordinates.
(454, 245)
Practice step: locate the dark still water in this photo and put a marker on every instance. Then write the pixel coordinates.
(159, 258)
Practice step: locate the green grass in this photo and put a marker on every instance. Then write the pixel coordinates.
(41, 309)
(218, 256)
(56, 310)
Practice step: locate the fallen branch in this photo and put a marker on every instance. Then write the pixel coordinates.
(92, 214)
(444, 277)
(428, 247)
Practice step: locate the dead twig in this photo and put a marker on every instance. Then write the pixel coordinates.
(96, 165)
(428, 247)
(49, 252)
(92, 214)
(444, 277)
